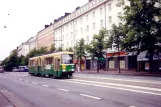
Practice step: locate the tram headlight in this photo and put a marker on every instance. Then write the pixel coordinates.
(63, 70)
(63, 66)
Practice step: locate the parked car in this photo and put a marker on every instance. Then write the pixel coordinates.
(1, 69)
(23, 69)
(15, 69)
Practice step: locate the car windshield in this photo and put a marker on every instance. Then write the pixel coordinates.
(67, 59)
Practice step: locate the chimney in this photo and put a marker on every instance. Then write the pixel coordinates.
(66, 14)
(46, 26)
(55, 20)
(77, 8)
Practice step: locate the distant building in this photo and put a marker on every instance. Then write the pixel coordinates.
(32, 43)
(45, 37)
(13, 51)
(23, 49)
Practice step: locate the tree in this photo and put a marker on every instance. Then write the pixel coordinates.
(60, 49)
(80, 51)
(11, 61)
(115, 39)
(142, 27)
(97, 45)
(52, 48)
(42, 51)
(70, 49)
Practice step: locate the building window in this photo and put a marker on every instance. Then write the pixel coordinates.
(63, 29)
(101, 11)
(76, 33)
(75, 23)
(67, 35)
(94, 26)
(101, 24)
(71, 44)
(71, 25)
(71, 35)
(81, 21)
(109, 6)
(67, 44)
(87, 29)
(87, 39)
(62, 37)
(93, 14)
(67, 27)
(86, 17)
(81, 30)
(109, 19)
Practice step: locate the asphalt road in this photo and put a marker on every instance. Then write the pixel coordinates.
(83, 90)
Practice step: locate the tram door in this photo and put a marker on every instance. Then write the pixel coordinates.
(56, 65)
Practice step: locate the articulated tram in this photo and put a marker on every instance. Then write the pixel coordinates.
(57, 64)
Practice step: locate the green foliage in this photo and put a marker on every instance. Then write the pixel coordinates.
(70, 49)
(59, 49)
(142, 26)
(98, 44)
(116, 36)
(42, 51)
(80, 49)
(12, 61)
(52, 48)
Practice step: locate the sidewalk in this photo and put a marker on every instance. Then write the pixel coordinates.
(131, 73)
(4, 102)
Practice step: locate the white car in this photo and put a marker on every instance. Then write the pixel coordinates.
(15, 69)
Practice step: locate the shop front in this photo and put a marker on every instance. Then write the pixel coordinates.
(114, 58)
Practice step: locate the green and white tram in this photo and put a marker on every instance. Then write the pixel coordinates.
(56, 64)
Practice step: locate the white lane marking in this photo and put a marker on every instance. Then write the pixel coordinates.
(20, 79)
(5, 91)
(134, 80)
(125, 89)
(9, 93)
(122, 85)
(9, 106)
(26, 81)
(97, 98)
(63, 90)
(34, 83)
(45, 86)
(132, 106)
(15, 78)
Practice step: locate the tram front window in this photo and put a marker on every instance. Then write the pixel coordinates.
(67, 59)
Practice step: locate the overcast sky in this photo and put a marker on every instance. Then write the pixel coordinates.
(24, 18)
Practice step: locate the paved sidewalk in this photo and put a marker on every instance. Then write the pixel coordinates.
(131, 73)
(4, 102)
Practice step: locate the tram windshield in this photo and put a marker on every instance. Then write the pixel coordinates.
(67, 59)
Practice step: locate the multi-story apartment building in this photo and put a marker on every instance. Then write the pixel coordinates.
(86, 21)
(23, 49)
(45, 37)
(32, 42)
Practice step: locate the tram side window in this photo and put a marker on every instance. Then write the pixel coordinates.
(49, 61)
(32, 63)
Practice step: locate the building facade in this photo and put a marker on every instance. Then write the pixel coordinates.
(32, 42)
(86, 21)
(23, 49)
(45, 37)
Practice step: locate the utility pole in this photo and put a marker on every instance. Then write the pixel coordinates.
(119, 59)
